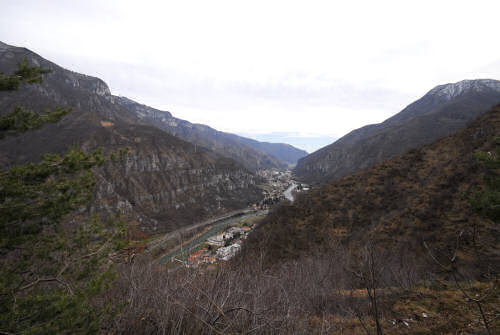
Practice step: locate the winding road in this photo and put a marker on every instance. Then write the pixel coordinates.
(288, 192)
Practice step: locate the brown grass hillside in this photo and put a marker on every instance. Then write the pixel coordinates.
(398, 204)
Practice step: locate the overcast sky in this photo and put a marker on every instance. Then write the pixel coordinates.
(303, 72)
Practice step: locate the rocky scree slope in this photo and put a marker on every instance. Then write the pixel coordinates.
(397, 204)
(442, 111)
(253, 155)
(162, 183)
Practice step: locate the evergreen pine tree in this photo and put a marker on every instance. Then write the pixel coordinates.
(53, 263)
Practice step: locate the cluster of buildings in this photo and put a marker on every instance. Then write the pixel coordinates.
(275, 176)
(202, 256)
(270, 198)
(279, 182)
(225, 253)
(222, 246)
(224, 239)
(302, 187)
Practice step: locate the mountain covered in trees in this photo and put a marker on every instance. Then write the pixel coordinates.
(164, 182)
(443, 110)
(428, 194)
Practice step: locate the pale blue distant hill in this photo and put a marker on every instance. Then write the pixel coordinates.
(309, 143)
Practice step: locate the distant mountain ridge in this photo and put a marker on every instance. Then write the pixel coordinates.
(252, 154)
(443, 110)
(286, 152)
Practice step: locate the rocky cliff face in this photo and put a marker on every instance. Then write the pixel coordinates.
(252, 154)
(442, 111)
(171, 183)
(162, 183)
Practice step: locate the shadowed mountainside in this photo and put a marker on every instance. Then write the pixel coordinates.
(162, 183)
(442, 111)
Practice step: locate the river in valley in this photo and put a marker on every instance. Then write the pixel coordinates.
(216, 228)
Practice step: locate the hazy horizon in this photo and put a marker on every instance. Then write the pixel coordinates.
(297, 72)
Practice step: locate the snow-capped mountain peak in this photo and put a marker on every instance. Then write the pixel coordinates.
(452, 90)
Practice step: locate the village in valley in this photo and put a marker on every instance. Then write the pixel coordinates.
(222, 246)
(224, 239)
(279, 186)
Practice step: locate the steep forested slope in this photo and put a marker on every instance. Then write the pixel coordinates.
(399, 203)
